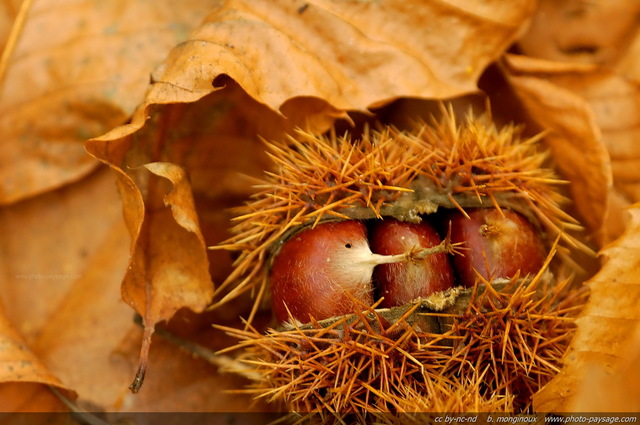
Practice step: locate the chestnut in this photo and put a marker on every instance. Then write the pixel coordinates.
(406, 281)
(499, 244)
(322, 272)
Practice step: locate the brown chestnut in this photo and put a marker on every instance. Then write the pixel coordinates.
(498, 245)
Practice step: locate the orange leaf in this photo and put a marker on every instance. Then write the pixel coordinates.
(22, 399)
(573, 136)
(577, 51)
(172, 273)
(578, 31)
(608, 321)
(63, 257)
(73, 70)
(18, 364)
(214, 140)
(162, 279)
(353, 55)
(603, 390)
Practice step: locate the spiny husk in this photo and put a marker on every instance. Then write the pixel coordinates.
(391, 173)
(486, 349)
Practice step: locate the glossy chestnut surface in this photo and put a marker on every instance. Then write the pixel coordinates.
(317, 269)
(497, 245)
(406, 281)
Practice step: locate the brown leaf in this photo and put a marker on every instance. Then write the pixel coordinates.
(603, 390)
(179, 382)
(18, 364)
(75, 70)
(353, 55)
(46, 244)
(178, 281)
(215, 141)
(64, 253)
(164, 279)
(608, 321)
(21, 399)
(8, 11)
(574, 135)
(579, 31)
(578, 51)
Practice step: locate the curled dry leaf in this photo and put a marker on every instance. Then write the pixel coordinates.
(169, 267)
(605, 326)
(180, 278)
(581, 32)
(573, 136)
(72, 71)
(167, 279)
(576, 58)
(352, 54)
(64, 254)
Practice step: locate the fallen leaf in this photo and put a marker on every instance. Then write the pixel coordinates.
(572, 49)
(580, 32)
(18, 364)
(352, 54)
(179, 382)
(73, 70)
(20, 400)
(215, 141)
(8, 12)
(574, 137)
(168, 278)
(615, 390)
(46, 244)
(605, 326)
(64, 254)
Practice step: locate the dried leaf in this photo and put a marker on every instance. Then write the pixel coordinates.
(64, 253)
(612, 391)
(580, 31)
(578, 51)
(46, 244)
(573, 136)
(8, 12)
(606, 324)
(76, 69)
(21, 399)
(164, 279)
(176, 281)
(18, 364)
(352, 54)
